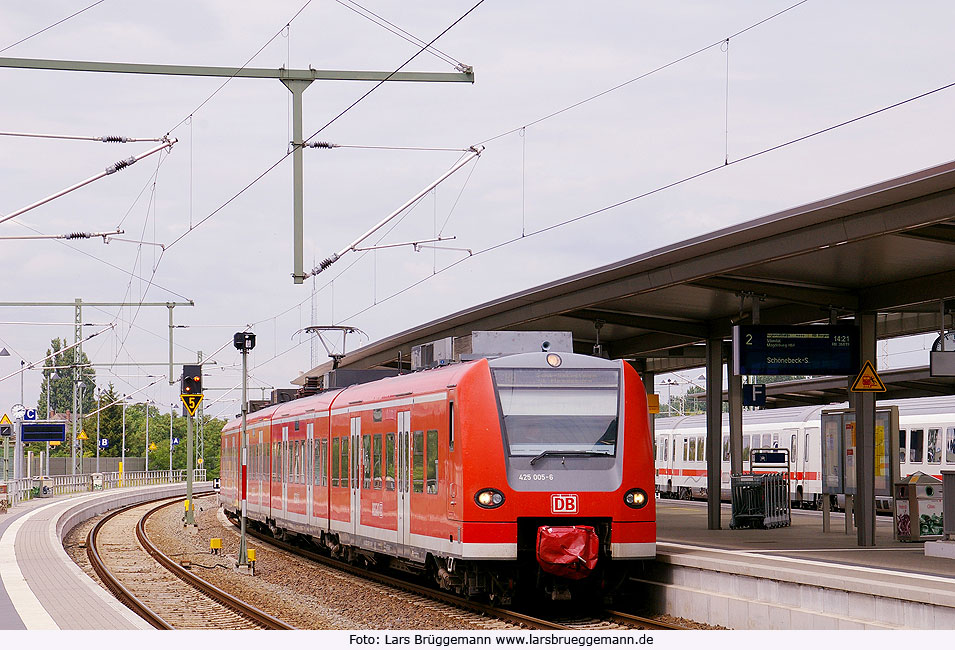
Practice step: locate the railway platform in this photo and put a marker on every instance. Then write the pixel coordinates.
(41, 588)
(796, 577)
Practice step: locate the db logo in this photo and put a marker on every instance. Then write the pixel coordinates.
(563, 504)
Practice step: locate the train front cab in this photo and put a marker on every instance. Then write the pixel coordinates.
(544, 448)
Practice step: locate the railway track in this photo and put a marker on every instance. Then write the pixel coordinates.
(599, 621)
(156, 587)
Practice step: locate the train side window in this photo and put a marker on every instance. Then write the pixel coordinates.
(316, 462)
(324, 462)
(902, 447)
(701, 449)
(692, 453)
(950, 445)
(805, 450)
(390, 462)
(344, 466)
(792, 447)
(666, 448)
(934, 451)
(431, 466)
(656, 451)
(417, 467)
(726, 448)
(376, 473)
(686, 445)
(915, 445)
(366, 461)
(335, 465)
(747, 442)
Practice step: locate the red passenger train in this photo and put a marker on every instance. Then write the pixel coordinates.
(531, 471)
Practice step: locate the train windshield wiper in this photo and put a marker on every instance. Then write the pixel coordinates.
(554, 452)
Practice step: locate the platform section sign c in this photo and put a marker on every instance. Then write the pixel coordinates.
(191, 402)
(868, 381)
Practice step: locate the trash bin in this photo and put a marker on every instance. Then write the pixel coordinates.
(918, 508)
(96, 481)
(43, 486)
(760, 500)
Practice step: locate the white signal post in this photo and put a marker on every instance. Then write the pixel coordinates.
(244, 341)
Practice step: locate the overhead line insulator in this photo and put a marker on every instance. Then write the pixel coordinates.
(121, 164)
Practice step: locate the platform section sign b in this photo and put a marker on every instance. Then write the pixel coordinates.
(191, 402)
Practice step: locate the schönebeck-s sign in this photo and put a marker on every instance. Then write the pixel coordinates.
(795, 350)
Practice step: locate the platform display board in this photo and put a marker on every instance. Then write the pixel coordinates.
(43, 432)
(839, 450)
(795, 350)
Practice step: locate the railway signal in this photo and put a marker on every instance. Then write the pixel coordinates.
(244, 342)
(191, 394)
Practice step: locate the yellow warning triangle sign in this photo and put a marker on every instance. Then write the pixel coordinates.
(5, 419)
(191, 402)
(868, 380)
(82, 436)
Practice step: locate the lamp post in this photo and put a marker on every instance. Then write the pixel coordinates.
(6, 439)
(147, 435)
(172, 413)
(99, 405)
(80, 389)
(122, 461)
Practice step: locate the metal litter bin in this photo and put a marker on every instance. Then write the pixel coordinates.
(760, 500)
(918, 508)
(96, 481)
(43, 486)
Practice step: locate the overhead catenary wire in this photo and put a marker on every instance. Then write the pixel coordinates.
(72, 235)
(331, 145)
(338, 116)
(112, 169)
(113, 139)
(649, 73)
(661, 188)
(474, 153)
(401, 33)
(33, 364)
(49, 27)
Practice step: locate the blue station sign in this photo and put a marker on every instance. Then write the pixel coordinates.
(795, 350)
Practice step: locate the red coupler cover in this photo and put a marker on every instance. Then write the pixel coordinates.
(568, 551)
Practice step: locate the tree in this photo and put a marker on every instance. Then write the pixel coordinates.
(60, 389)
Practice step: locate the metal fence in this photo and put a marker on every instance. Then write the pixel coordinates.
(17, 491)
(760, 500)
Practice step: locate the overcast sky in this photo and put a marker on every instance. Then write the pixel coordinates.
(812, 67)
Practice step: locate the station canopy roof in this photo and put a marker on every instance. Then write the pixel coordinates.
(888, 249)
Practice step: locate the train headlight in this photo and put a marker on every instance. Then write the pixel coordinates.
(489, 498)
(553, 360)
(635, 498)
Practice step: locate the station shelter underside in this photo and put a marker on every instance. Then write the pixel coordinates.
(881, 257)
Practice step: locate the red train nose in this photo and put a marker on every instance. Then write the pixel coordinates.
(567, 551)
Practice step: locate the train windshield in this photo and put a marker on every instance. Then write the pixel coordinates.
(547, 411)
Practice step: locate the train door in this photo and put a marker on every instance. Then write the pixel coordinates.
(309, 469)
(283, 468)
(404, 477)
(790, 439)
(355, 473)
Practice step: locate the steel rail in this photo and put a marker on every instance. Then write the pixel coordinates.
(112, 582)
(116, 587)
(254, 614)
(517, 618)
